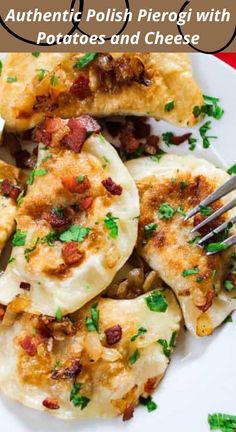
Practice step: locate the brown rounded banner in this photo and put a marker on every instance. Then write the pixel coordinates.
(120, 25)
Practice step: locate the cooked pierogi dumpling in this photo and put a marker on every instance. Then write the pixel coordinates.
(109, 84)
(76, 226)
(9, 192)
(96, 364)
(168, 190)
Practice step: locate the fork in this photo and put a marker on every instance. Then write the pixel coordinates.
(223, 190)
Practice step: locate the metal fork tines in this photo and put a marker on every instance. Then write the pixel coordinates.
(223, 190)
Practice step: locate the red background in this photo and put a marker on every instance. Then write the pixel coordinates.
(229, 58)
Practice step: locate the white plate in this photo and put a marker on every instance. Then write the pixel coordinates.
(201, 378)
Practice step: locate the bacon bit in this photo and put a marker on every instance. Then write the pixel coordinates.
(29, 344)
(128, 412)
(209, 300)
(90, 124)
(72, 184)
(153, 141)
(25, 286)
(113, 334)
(113, 128)
(9, 190)
(232, 278)
(56, 220)
(150, 385)
(69, 372)
(51, 403)
(141, 129)
(40, 135)
(48, 327)
(77, 136)
(177, 140)
(211, 226)
(105, 62)
(128, 69)
(24, 159)
(80, 87)
(128, 141)
(2, 312)
(71, 254)
(52, 125)
(85, 203)
(112, 187)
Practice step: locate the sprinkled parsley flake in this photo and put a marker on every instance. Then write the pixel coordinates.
(149, 403)
(141, 331)
(19, 238)
(165, 211)
(92, 322)
(76, 399)
(232, 169)
(58, 314)
(169, 106)
(85, 60)
(222, 422)
(156, 301)
(12, 79)
(190, 272)
(149, 229)
(110, 222)
(134, 357)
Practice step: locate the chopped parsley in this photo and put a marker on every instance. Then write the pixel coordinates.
(80, 178)
(19, 238)
(229, 285)
(216, 247)
(41, 73)
(204, 210)
(210, 108)
(192, 143)
(74, 233)
(157, 157)
(169, 106)
(183, 185)
(56, 365)
(1, 66)
(148, 402)
(20, 198)
(76, 399)
(165, 211)
(36, 173)
(167, 138)
(110, 222)
(92, 322)
(85, 60)
(106, 161)
(156, 301)
(54, 80)
(189, 272)
(58, 314)
(228, 319)
(181, 211)
(141, 331)
(194, 240)
(203, 132)
(12, 259)
(199, 279)
(232, 169)
(58, 211)
(11, 79)
(149, 229)
(167, 346)
(134, 357)
(49, 238)
(222, 422)
(35, 54)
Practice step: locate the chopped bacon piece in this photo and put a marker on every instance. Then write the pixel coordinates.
(51, 403)
(69, 372)
(80, 87)
(112, 187)
(9, 190)
(105, 62)
(90, 124)
(56, 219)
(128, 141)
(40, 135)
(209, 299)
(77, 136)
(198, 218)
(113, 334)
(2, 311)
(150, 385)
(128, 412)
(85, 203)
(128, 69)
(177, 140)
(113, 128)
(153, 141)
(48, 327)
(53, 124)
(71, 254)
(29, 344)
(76, 184)
(25, 286)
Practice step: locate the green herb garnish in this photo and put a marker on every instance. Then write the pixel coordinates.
(204, 210)
(92, 322)
(194, 240)
(167, 346)
(141, 331)
(232, 169)
(58, 314)
(216, 247)
(228, 319)
(167, 138)
(41, 73)
(156, 301)
(222, 422)
(229, 285)
(203, 132)
(1, 66)
(110, 222)
(35, 54)
(149, 229)
(76, 399)
(157, 157)
(19, 238)
(80, 178)
(20, 198)
(134, 357)
(149, 403)
(85, 60)
(192, 143)
(183, 185)
(165, 211)
(189, 272)
(36, 173)
(54, 80)
(169, 106)
(11, 79)
(74, 233)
